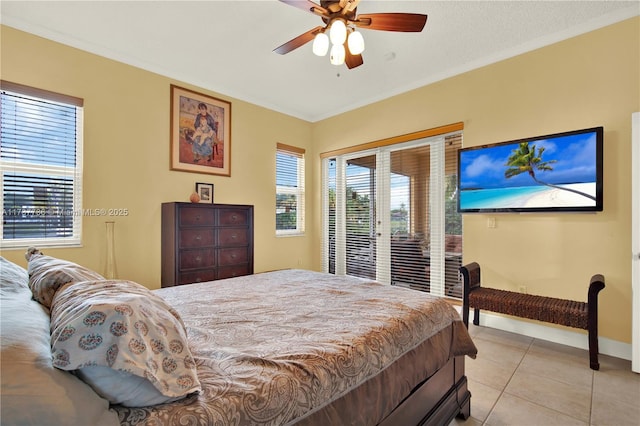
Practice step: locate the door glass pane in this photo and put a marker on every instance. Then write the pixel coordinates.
(409, 203)
(360, 178)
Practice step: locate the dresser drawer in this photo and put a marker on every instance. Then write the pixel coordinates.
(196, 237)
(193, 216)
(196, 276)
(233, 271)
(191, 259)
(233, 217)
(233, 236)
(233, 256)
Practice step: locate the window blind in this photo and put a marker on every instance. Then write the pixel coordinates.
(415, 211)
(361, 216)
(452, 219)
(40, 158)
(290, 190)
(329, 214)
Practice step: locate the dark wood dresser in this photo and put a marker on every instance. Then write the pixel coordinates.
(205, 242)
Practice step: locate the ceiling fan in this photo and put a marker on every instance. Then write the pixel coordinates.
(341, 22)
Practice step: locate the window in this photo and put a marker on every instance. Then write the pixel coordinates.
(289, 190)
(41, 167)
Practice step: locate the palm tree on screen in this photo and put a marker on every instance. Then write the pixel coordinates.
(525, 159)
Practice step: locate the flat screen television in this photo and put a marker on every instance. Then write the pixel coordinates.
(561, 172)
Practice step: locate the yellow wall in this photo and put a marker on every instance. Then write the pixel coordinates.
(586, 81)
(126, 157)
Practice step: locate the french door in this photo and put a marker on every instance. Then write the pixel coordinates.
(385, 215)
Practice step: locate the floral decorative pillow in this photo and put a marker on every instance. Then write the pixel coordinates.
(47, 274)
(131, 333)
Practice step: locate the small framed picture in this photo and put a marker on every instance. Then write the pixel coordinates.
(205, 191)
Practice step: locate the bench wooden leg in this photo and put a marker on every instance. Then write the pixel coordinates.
(476, 316)
(470, 281)
(593, 349)
(465, 314)
(595, 286)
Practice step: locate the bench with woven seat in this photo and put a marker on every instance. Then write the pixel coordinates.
(583, 315)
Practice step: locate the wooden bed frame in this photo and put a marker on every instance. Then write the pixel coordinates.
(437, 400)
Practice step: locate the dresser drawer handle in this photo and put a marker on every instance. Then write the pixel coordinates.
(234, 217)
(199, 259)
(198, 237)
(234, 236)
(198, 217)
(233, 256)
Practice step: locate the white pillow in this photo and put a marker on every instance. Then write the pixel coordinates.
(13, 278)
(120, 387)
(33, 391)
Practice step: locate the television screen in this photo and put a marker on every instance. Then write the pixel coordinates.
(559, 172)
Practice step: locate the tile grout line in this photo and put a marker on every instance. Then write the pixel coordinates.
(554, 409)
(508, 381)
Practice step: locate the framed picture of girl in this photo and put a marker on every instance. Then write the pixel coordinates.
(200, 133)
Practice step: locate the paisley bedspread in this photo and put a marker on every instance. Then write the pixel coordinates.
(304, 347)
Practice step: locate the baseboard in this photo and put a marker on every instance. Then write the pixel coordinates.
(563, 335)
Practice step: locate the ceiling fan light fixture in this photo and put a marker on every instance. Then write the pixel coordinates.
(337, 54)
(355, 43)
(338, 32)
(320, 44)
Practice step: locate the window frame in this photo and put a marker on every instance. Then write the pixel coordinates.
(51, 170)
(298, 191)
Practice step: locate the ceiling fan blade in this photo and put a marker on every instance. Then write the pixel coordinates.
(402, 22)
(352, 61)
(307, 6)
(298, 41)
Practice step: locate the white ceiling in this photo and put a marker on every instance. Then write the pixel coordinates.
(227, 46)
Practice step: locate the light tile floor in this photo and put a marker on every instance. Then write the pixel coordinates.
(518, 381)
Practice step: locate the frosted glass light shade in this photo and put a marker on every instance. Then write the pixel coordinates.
(338, 32)
(320, 44)
(355, 43)
(337, 54)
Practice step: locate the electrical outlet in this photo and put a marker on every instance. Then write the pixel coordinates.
(491, 222)
(523, 289)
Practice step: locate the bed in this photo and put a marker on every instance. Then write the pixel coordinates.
(276, 348)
